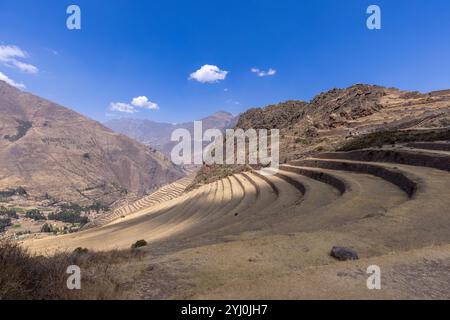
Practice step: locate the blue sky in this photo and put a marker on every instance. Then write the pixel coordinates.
(129, 49)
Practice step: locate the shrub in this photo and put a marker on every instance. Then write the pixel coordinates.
(13, 192)
(4, 223)
(139, 244)
(35, 214)
(20, 191)
(7, 193)
(11, 213)
(46, 228)
(320, 149)
(80, 250)
(22, 129)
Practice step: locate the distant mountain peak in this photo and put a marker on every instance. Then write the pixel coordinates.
(157, 134)
(222, 113)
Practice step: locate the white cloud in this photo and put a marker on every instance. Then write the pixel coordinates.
(53, 51)
(143, 102)
(233, 101)
(25, 67)
(9, 52)
(11, 82)
(9, 56)
(262, 73)
(138, 102)
(208, 74)
(122, 107)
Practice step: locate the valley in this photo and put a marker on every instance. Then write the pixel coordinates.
(210, 157)
(239, 234)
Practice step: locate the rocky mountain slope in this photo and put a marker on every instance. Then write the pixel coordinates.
(157, 134)
(338, 115)
(334, 118)
(57, 153)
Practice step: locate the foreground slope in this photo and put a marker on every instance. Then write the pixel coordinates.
(243, 235)
(333, 118)
(250, 236)
(54, 152)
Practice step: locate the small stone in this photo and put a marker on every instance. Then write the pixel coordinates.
(343, 254)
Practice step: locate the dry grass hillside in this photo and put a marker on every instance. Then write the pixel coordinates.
(366, 172)
(256, 237)
(56, 153)
(383, 199)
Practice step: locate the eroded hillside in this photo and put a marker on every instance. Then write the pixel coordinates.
(333, 119)
(56, 153)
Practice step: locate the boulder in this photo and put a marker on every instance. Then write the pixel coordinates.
(343, 254)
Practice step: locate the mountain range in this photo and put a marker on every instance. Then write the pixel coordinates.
(157, 134)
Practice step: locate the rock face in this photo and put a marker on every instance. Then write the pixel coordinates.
(157, 134)
(332, 119)
(55, 152)
(344, 254)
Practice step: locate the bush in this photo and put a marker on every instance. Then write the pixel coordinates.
(46, 228)
(4, 223)
(11, 213)
(13, 192)
(139, 244)
(80, 251)
(320, 149)
(22, 129)
(35, 214)
(20, 191)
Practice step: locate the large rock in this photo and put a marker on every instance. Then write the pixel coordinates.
(344, 254)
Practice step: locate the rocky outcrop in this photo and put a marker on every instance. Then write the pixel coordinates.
(351, 118)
